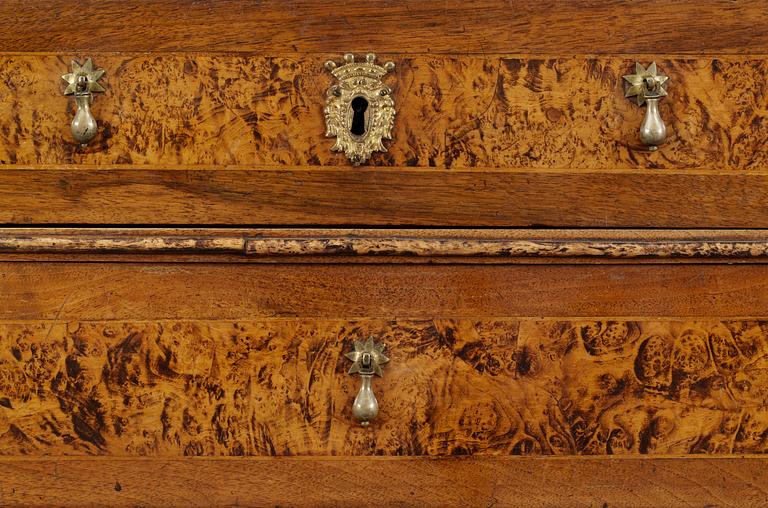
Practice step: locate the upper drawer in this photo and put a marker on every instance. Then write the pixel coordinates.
(460, 113)
(236, 134)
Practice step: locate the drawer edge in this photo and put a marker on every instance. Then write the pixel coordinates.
(518, 481)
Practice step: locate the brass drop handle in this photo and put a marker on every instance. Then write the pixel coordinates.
(648, 87)
(367, 358)
(82, 83)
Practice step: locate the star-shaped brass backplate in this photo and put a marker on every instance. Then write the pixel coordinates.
(645, 83)
(83, 79)
(368, 357)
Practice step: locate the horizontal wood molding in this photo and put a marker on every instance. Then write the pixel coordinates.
(463, 112)
(311, 243)
(502, 248)
(100, 290)
(426, 26)
(512, 481)
(383, 197)
(469, 386)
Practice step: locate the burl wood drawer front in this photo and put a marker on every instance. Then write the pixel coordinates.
(500, 140)
(508, 114)
(145, 344)
(531, 133)
(471, 113)
(461, 386)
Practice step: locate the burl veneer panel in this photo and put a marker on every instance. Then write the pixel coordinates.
(453, 387)
(426, 26)
(467, 112)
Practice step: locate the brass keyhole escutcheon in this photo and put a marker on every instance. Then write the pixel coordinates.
(359, 108)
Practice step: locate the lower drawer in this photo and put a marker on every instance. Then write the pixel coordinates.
(107, 349)
(454, 386)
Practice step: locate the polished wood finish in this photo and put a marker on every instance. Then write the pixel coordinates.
(117, 344)
(346, 196)
(453, 387)
(508, 481)
(431, 26)
(479, 141)
(31, 291)
(453, 112)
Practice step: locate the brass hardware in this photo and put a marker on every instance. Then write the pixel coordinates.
(368, 357)
(82, 82)
(647, 86)
(359, 109)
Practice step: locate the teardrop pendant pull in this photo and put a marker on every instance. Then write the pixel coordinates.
(367, 358)
(82, 83)
(84, 126)
(366, 407)
(653, 132)
(647, 86)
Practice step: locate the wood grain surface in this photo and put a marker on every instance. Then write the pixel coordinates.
(480, 141)
(510, 114)
(453, 387)
(484, 26)
(58, 290)
(527, 482)
(462, 112)
(384, 197)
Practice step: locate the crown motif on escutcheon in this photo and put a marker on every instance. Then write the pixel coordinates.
(352, 69)
(359, 108)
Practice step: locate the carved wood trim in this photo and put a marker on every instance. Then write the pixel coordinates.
(499, 248)
(612, 244)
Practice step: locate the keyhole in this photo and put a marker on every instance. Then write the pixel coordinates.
(359, 105)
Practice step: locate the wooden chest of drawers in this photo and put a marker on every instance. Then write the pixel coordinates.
(569, 316)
